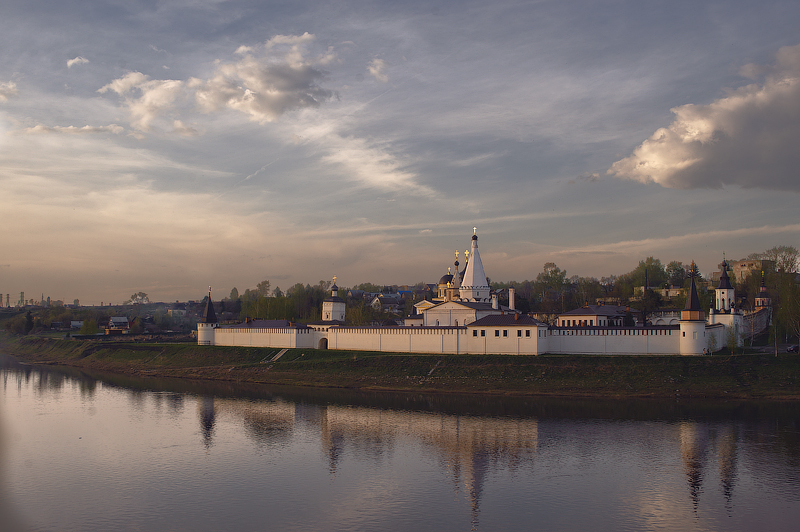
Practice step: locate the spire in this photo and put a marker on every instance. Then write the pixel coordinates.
(456, 278)
(724, 280)
(692, 301)
(474, 286)
(209, 316)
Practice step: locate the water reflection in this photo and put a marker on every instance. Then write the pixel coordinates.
(565, 464)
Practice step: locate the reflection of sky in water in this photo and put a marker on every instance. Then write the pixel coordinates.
(83, 455)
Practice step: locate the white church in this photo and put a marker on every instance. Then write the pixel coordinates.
(466, 318)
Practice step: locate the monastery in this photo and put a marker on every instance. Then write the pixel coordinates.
(466, 318)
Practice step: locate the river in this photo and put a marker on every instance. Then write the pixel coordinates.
(82, 452)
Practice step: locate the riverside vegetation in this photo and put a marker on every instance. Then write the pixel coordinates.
(741, 376)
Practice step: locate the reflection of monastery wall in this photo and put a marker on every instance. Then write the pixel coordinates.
(449, 433)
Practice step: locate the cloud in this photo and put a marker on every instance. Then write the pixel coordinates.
(77, 61)
(747, 138)
(377, 68)
(181, 129)
(155, 97)
(264, 86)
(8, 90)
(371, 164)
(111, 128)
(268, 85)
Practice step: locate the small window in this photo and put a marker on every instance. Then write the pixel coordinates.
(483, 333)
(505, 333)
(519, 333)
(474, 332)
(497, 332)
(528, 333)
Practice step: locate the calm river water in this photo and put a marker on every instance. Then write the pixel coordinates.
(100, 452)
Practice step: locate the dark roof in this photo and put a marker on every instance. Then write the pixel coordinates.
(693, 302)
(209, 316)
(335, 299)
(326, 322)
(724, 280)
(520, 320)
(597, 310)
(446, 278)
(267, 324)
(475, 305)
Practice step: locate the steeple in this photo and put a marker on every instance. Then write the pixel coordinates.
(725, 293)
(692, 310)
(762, 299)
(209, 316)
(474, 286)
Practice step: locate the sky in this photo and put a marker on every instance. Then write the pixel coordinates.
(165, 146)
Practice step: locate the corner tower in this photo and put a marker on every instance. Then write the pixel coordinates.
(693, 322)
(208, 322)
(474, 286)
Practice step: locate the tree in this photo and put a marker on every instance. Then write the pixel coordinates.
(368, 287)
(652, 269)
(676, 273)
(785, 257)
(138, 298)
(89, 327)
(234, 294)
(76, 302)
(550, 286)
(263, 289)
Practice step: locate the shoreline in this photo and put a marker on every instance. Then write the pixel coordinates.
(755, 376)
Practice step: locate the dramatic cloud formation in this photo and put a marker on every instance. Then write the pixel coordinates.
(77, 61)
(748, 138)
(228, 145)
(264, 87)
(154, 97)
(8, 90)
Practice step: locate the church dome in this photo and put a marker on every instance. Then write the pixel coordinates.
(446, 279)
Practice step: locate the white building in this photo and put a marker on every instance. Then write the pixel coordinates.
(467, 319)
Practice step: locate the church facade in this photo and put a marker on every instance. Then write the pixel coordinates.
(466, 318)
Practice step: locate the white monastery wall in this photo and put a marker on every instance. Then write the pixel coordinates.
(398, 339)
(256, 337)
(616, 341)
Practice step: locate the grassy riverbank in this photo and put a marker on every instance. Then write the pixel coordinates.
(740, 376)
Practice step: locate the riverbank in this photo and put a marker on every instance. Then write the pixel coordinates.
(756, 376)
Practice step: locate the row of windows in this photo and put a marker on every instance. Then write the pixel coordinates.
(590, 323)
(505, 333)
(613, 332)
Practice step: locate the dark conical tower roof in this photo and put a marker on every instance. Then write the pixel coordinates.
(692, 301)
(724, 280)
(209, 316)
